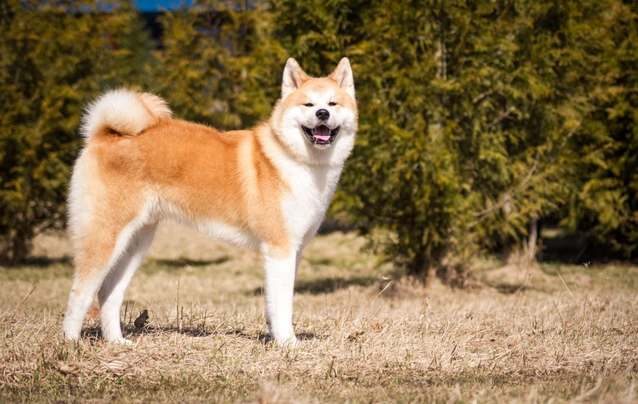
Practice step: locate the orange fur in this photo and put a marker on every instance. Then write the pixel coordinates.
(208, 175)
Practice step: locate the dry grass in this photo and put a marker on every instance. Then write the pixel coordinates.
(364, 337)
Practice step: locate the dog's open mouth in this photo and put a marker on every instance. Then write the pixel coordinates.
(321, 135)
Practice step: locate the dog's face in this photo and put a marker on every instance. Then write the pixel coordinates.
(316, 118)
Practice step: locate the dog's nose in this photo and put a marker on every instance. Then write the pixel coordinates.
(323, 114)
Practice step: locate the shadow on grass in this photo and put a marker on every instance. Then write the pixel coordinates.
(265, 338)
(517, 287)
(41, 261)
(508, 289)
(45, 262)
(562, 246)
(94, 334)
(326, 285)
(182, 262)
(331, 225)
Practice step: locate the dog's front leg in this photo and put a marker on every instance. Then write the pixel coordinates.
(279, 286)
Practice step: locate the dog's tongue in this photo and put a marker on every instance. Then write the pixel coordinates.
(322, 133)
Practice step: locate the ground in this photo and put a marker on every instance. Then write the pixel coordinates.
(541, 333)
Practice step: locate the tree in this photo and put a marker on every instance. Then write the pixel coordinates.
(477, 119)
(604, 201)
(470, 116)
(551, 79)
(319, 32)
(217, 63)
(55, 57)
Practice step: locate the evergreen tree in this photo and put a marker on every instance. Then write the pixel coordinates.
(55, 57)
(604, 201)
(491, 99)
(546, 89)
(477, 119)
(411, 183)
(318, 32)
(217, 63)
(470, 116)
(131, 61)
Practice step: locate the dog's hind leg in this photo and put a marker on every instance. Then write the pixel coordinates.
(80, 299)
(111, 293)
(94, 259)
(106, 259)
(101, 237)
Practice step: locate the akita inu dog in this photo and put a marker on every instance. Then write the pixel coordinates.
(267, 188)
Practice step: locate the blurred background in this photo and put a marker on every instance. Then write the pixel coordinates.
(486, 127)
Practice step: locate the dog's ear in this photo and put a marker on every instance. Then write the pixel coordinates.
(293, 78)
(343, 76)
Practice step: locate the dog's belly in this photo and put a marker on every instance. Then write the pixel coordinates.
(215, 228)
(229, 234)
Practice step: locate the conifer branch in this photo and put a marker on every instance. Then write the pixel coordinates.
(508, 197)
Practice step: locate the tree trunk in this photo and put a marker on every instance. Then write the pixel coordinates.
(533, 239)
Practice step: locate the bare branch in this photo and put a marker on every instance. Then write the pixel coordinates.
(503, 116)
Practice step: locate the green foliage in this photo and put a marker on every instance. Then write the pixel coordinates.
(55, 57)
(476, 118)
(318, 32)
(412, 177)
(519, 127)
(604, 203)
(50, 57)
(130, 48)
(217, 63)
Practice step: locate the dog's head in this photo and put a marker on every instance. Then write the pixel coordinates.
(316, 118)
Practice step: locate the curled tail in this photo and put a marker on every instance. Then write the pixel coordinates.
(123, 111)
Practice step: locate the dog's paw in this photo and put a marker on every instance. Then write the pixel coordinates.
(289, 342)
(121, 341)
(71, 337)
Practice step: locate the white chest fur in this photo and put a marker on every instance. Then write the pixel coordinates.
(312, 188)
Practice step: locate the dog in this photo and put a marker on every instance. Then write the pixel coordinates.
(266, 189)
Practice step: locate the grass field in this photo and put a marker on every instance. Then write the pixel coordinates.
(563, 334)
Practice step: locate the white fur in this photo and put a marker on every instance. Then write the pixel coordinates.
(130, 248)
(213, 228)
(312, 174)
(292, 78)
(279, 287)
(80, 205)
(125, 112)
(111, 293)
(334, 155)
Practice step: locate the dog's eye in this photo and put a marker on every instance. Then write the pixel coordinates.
(332, 104)
(309, 105)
